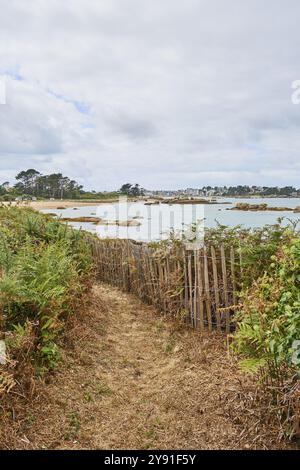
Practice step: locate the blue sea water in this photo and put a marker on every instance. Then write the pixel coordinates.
(156, 221)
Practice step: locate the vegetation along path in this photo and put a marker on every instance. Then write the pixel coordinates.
(131, 379)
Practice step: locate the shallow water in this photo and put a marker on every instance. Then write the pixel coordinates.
(157, 220)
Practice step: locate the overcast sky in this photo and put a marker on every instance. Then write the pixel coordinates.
(166, 93)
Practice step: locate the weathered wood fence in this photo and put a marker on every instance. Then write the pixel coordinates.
(200, 286)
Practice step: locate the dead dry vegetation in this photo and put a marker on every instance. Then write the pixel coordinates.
(131, 379)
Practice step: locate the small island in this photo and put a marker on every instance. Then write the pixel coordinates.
(243, 206)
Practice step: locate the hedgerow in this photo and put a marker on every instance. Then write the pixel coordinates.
(44, 271)
(267, 336)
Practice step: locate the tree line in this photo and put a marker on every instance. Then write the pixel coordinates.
(31, 183)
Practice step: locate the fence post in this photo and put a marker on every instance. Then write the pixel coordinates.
(225, 287)
(216, 287)
(207, 290)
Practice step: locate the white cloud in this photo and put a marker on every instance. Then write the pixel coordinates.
(168, 94)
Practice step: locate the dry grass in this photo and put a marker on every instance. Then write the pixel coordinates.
(132, 380)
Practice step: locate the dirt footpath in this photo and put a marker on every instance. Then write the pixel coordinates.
(133, 380)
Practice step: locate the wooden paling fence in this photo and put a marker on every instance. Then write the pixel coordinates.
(200, 286)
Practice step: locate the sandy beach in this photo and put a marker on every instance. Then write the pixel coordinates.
(40, 205)
(69, 203)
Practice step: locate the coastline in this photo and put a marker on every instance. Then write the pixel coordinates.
(73, 203)
(66, 203)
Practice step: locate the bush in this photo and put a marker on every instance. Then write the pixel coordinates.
(268, 332)
(255, 246)
(269, 323)
(44, 267)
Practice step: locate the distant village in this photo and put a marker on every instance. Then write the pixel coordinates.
(228, 191)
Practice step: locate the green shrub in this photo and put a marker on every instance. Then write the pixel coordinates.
(269, 323)
(255, 246)
(43, 271)
(268, 334)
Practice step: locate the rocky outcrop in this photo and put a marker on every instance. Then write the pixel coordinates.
(120, 223)
(243, 206)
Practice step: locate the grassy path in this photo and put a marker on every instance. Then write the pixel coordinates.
(130, 379)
